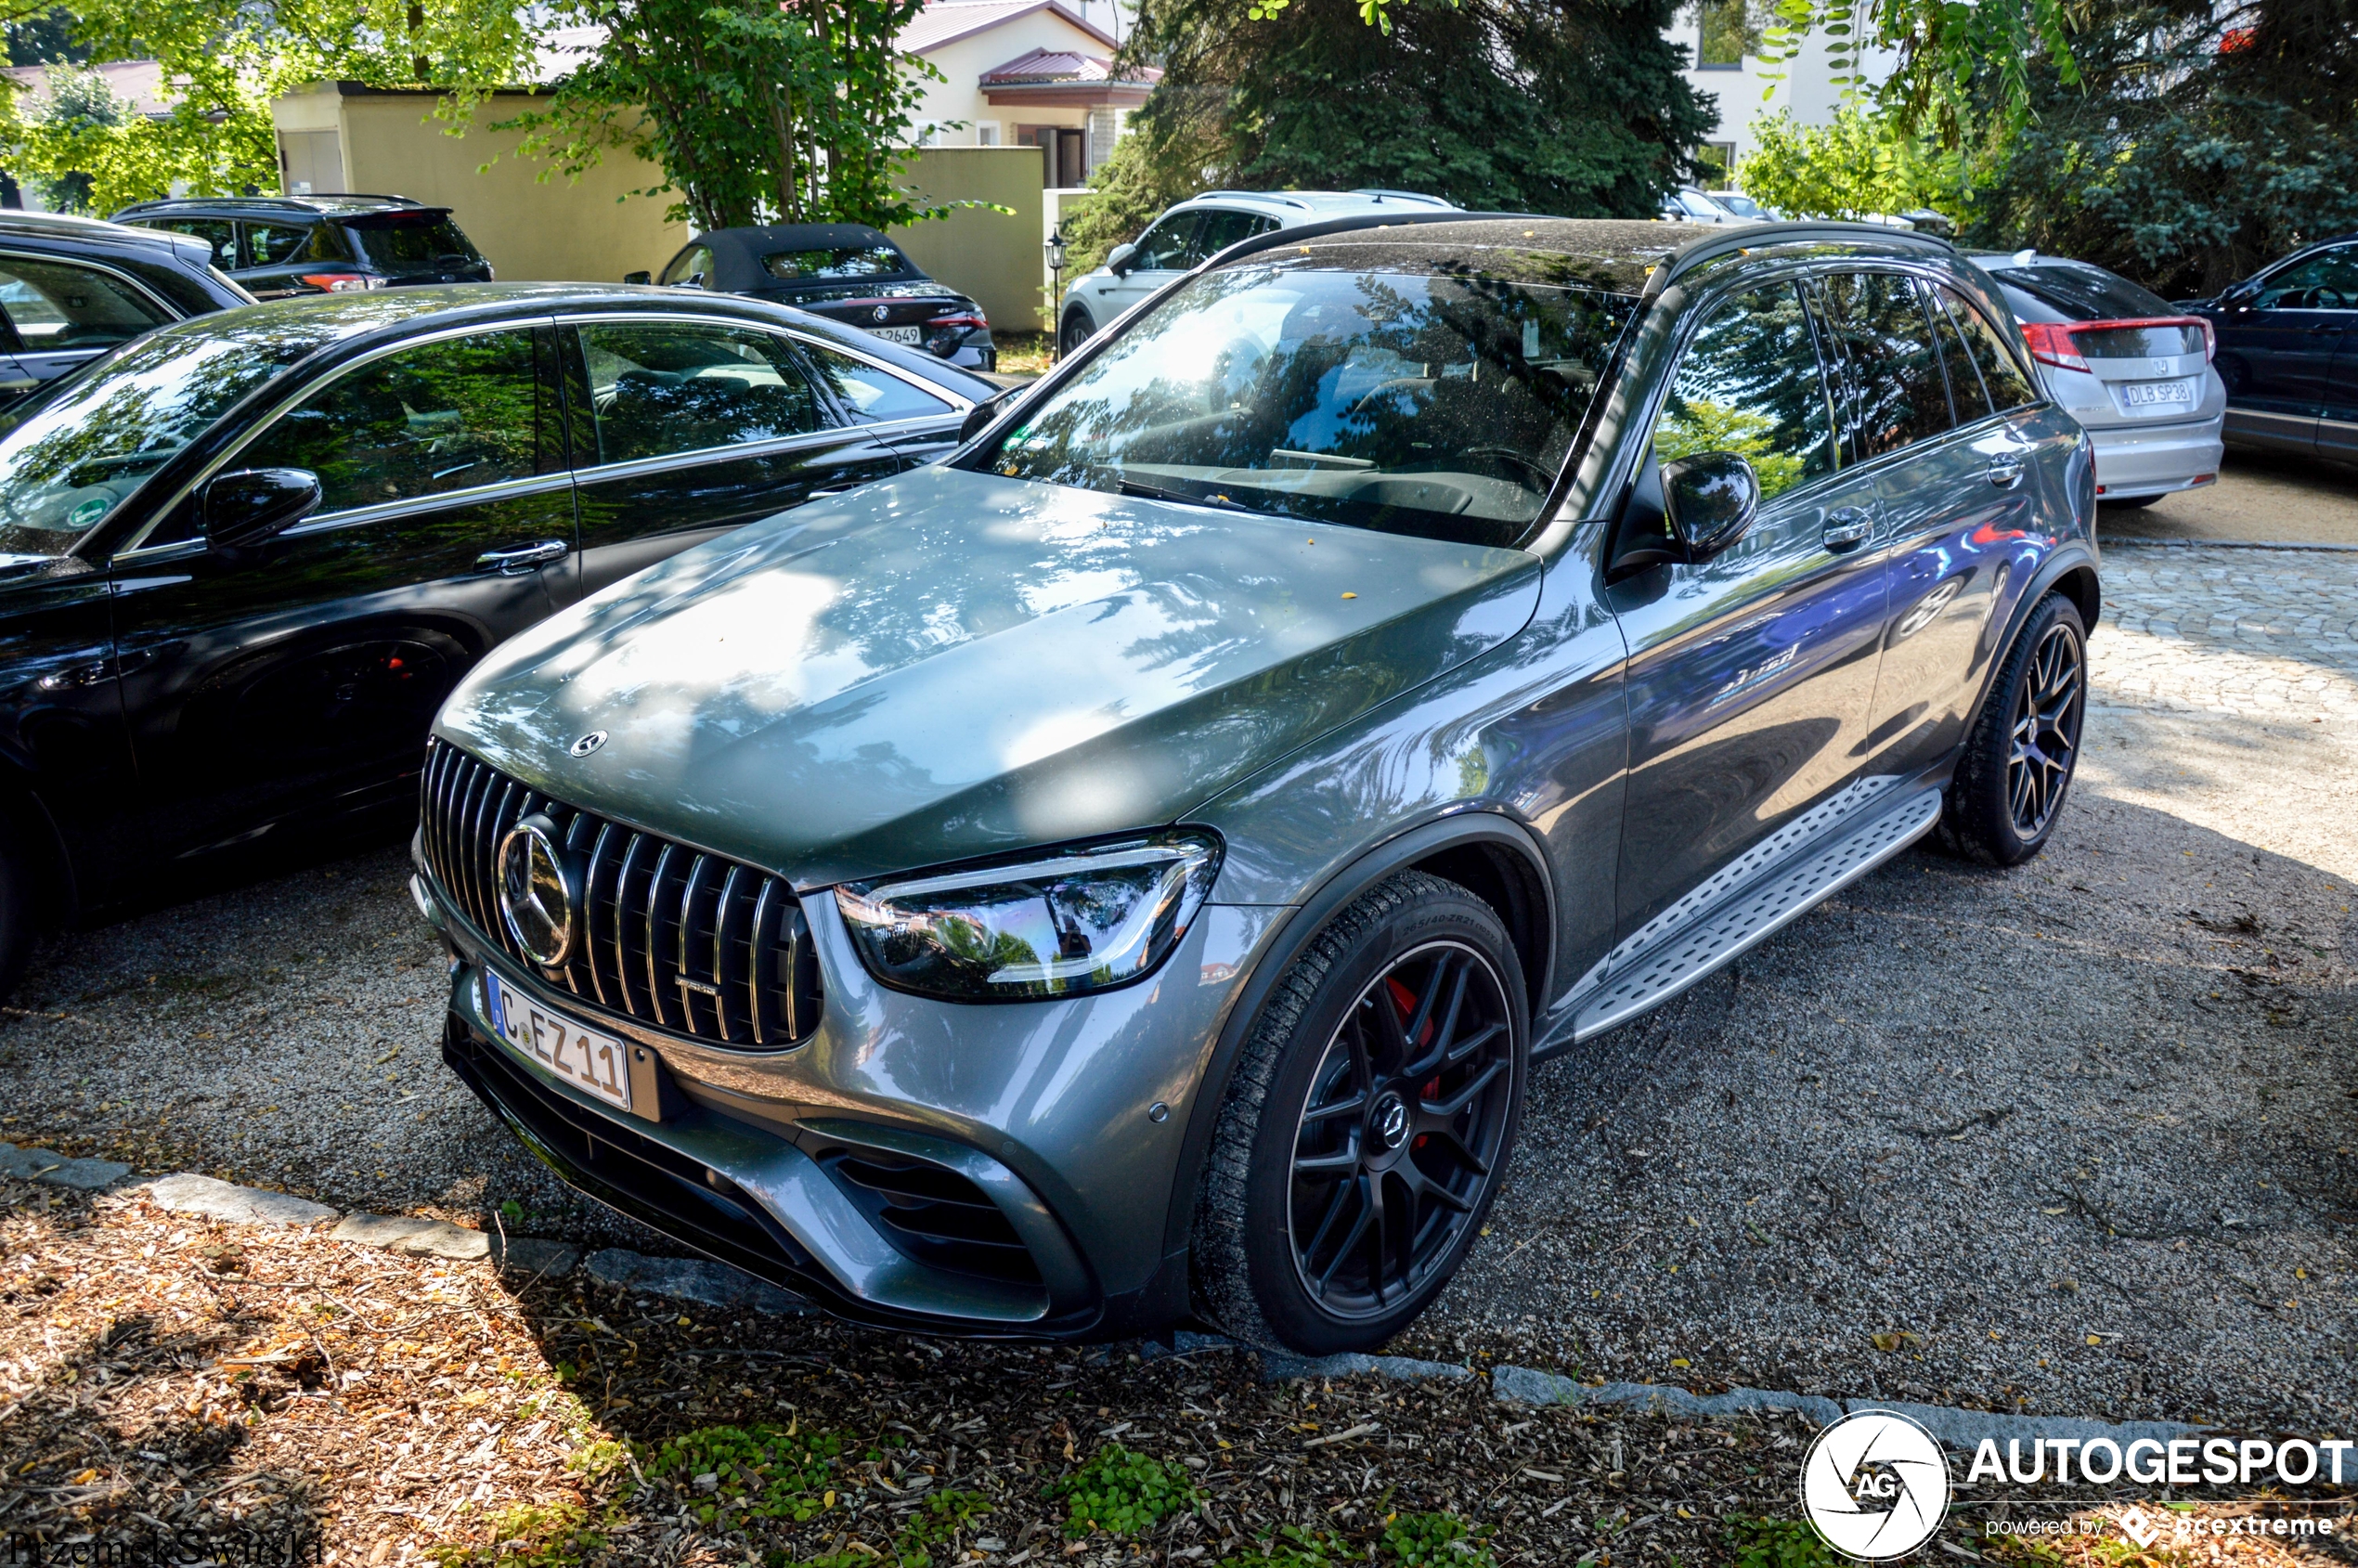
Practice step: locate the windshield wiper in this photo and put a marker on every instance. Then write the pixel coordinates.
(1157, 493)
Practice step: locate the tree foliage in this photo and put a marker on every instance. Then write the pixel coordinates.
(1857, 164)
(89, 152)
(2199, 143)
(1570, 107)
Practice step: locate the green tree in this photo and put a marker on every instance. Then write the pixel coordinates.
(1569, 107)
(1860, 163)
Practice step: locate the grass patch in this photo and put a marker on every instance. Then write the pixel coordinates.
(1023, 354)
(1122, 1493)
(1780, 1543)
(531, 1535)
(749, 1472)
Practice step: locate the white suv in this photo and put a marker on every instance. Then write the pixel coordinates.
(1201, 228)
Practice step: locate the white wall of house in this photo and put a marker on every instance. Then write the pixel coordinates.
(962, 61)
(1748, 93)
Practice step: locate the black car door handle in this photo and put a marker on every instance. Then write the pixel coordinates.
(1849, 526)
(515, 561)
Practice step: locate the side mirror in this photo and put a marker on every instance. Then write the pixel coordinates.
(255, 505)
(1117, 259)
(641, 277)
(982, 414)
(1710, 498)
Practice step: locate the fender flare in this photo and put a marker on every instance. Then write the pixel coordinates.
(2072, 568)
(1482, 827)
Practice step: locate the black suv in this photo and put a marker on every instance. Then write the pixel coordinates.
(72, 287)
(282, 245)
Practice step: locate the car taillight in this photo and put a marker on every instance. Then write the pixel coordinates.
(342, 283)
(970, 321)
(2069, 346)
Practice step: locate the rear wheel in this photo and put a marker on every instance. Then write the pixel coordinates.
(1368, 1123)
(2009, 787)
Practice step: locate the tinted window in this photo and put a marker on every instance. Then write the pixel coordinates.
(662, 389)
(2328, 280)
(694, 262)
(1897, 396)
(219, 233)
(1163, 248)
(57, 304)
(863, 261)
(2001, 372)
(1220, 230)
(422, 420)
(1750, 384)
(869, 393)
(72, 454)
(2081, 292)
(275, 244)
(411, 243)
(1964, 382)
(1435, 406)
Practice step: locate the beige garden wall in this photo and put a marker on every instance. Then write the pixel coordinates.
(995, 257)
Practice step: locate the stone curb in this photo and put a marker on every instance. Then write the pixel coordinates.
(190, 1194)
(58, 1169)
(416, 1237)
(689, 1279)
(2227, 544)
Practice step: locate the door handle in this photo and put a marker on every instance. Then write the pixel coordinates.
(523, 558)
(2005, 472)
(1849, 526)
(823, 495)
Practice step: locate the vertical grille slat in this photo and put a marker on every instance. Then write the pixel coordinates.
(710, 930)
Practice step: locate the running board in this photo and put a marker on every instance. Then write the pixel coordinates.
(1654, 977)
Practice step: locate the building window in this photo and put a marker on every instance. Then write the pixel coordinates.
(1729, 31)
(1719, 161)
(986, 133)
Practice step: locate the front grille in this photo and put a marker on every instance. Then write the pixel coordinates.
(672, 937)
(933, 1214)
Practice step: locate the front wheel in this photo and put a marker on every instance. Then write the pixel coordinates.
(1367, 1125)
(2009, 787)
(1077, 329)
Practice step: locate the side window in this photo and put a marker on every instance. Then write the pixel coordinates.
(1964, 382)
(55, 304)
(275, 244)
(1221, 230)
(870, 394)
(664, 388)
(442, 416)
(2001, 372)
(1163, 248)
(1750, 384)
(694, 262)
(2328, 280)
(219, 233)
(1896, 394)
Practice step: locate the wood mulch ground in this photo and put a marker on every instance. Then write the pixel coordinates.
(186, 1389)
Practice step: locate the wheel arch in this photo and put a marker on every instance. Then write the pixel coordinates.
(27, 822)
(1488, 852)
(2071, 571)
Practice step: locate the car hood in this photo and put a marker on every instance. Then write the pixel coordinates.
(948, 664)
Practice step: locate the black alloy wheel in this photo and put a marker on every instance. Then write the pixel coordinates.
(2045, 732)
(1405, 1116)
(2007, 792)
(1076, 329)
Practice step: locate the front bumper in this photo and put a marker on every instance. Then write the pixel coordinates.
(949, 1168)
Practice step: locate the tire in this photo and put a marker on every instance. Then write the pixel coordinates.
(19, 909)
(2007, 792)
(1076, 329)
(1298, 1244)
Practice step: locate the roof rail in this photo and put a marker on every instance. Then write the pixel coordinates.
(1753, 237)
(279, 203)
(1411, 195)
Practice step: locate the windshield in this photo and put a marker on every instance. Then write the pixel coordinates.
(862, 261)
(1440, 406)
(412, 242)
(69, 457)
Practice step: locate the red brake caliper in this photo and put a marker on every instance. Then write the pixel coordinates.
(1406, 1000)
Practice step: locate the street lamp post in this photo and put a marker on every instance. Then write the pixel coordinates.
(1056, 249)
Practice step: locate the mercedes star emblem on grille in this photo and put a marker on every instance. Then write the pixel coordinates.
(538, 896)
(589, 743)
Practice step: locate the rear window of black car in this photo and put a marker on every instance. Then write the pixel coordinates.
(411, 241)
(845, 261)
(2080, 293)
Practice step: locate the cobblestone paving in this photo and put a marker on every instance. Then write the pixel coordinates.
(2261, 633)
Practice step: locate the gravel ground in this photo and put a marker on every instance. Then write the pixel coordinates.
(2260, 495)
(2075, 1138)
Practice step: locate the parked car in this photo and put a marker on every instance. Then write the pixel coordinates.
(2135, 372)
(282, 245)
(243, 558)
(70, 288)
(2288, 351)
(1200, 227)
(1742, 206)
(1691, 204)
(1128, 868)
(846, 272)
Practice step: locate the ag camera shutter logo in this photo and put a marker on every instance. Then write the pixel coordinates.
(1875, 1485)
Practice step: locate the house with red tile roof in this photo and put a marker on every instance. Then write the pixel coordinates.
(1025, 73)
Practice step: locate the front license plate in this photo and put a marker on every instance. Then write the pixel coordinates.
(596, 1064)
(912, 335)
(2144, 394)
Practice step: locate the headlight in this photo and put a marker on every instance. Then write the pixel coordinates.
(1088, 920)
